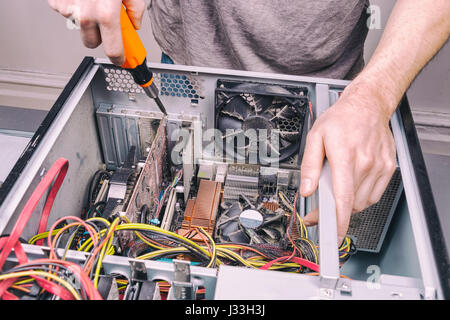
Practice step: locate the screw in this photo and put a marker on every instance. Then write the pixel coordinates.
(326, 292)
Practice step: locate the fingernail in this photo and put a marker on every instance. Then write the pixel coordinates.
(307, 223)
(305, 186)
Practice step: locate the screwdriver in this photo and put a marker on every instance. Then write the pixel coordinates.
(136, 59)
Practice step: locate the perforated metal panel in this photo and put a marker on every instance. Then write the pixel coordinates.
(120, 80)
(169, 84)
(179, 85)
(369, 227)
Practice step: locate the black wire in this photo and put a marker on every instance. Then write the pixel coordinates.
(77, 229)
(93, 209)
(72, 236)
(93, 223)
(145, 212)
(195, 251)
(22, 240)
(94, 183)
(172, 253)
(59, 240)
(101, 238)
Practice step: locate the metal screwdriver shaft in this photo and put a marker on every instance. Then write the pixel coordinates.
(135, 59)
(152, 92)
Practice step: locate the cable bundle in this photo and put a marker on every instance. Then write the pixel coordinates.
(57, 278)
(43, 277)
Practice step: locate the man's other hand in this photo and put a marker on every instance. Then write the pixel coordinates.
(354, 136)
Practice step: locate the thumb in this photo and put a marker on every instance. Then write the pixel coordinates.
(311, 164)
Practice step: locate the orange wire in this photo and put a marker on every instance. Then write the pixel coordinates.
(205, 240)
(20, 288)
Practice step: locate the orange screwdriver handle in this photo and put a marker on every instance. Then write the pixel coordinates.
(135, 53)
(134, 49)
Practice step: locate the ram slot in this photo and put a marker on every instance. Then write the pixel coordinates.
(170, 209)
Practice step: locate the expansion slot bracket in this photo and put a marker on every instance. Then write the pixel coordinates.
(183, 288)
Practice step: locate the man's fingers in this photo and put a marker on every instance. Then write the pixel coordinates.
(344, 211)
(90, 34)
(343, 189)
(135, 10)
(312, 218)
(365, 189)
(311, 163)
(379, 188)
(111, 35)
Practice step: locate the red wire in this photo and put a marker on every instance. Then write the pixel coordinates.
(298, 260)
(9, 296)
(311, 111)
(61, 166)
(88, 228)
(58, 170)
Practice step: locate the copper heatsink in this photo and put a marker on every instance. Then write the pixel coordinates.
(201, 211)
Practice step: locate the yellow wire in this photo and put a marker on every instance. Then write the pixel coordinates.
(213, 244)
(99, 219)
(24, 281)
(104, 249)
(40, 236)
(42, 274)
(138, 234)
(87, 245)
(119, 281)
(234, 255)
(158, 252)
(157, 229)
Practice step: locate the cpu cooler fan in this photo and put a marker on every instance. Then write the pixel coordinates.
(243, 109)
(242, 222)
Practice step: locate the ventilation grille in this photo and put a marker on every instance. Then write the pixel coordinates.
(170, 84)
(369, 227)
(176, 85)
(120, 80)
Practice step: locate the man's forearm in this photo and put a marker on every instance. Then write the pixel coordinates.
(415, 32)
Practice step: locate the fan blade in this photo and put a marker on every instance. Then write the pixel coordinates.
(238, 236)
(288, 113)
(272, 234)
(279, 114)
(237, 107)
(226, 122)
(262, 88)
(262, 103)
(289, 151)
(289, 137)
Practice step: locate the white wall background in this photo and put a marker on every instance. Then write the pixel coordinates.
(35, 38)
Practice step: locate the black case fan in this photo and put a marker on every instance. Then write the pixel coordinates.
(279, 109)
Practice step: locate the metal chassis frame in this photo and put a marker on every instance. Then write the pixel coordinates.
(433, 257)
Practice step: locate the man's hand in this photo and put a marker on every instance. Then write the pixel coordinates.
(354, 135)
(100, 22)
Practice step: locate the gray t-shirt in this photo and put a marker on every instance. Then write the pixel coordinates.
(323, 38)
